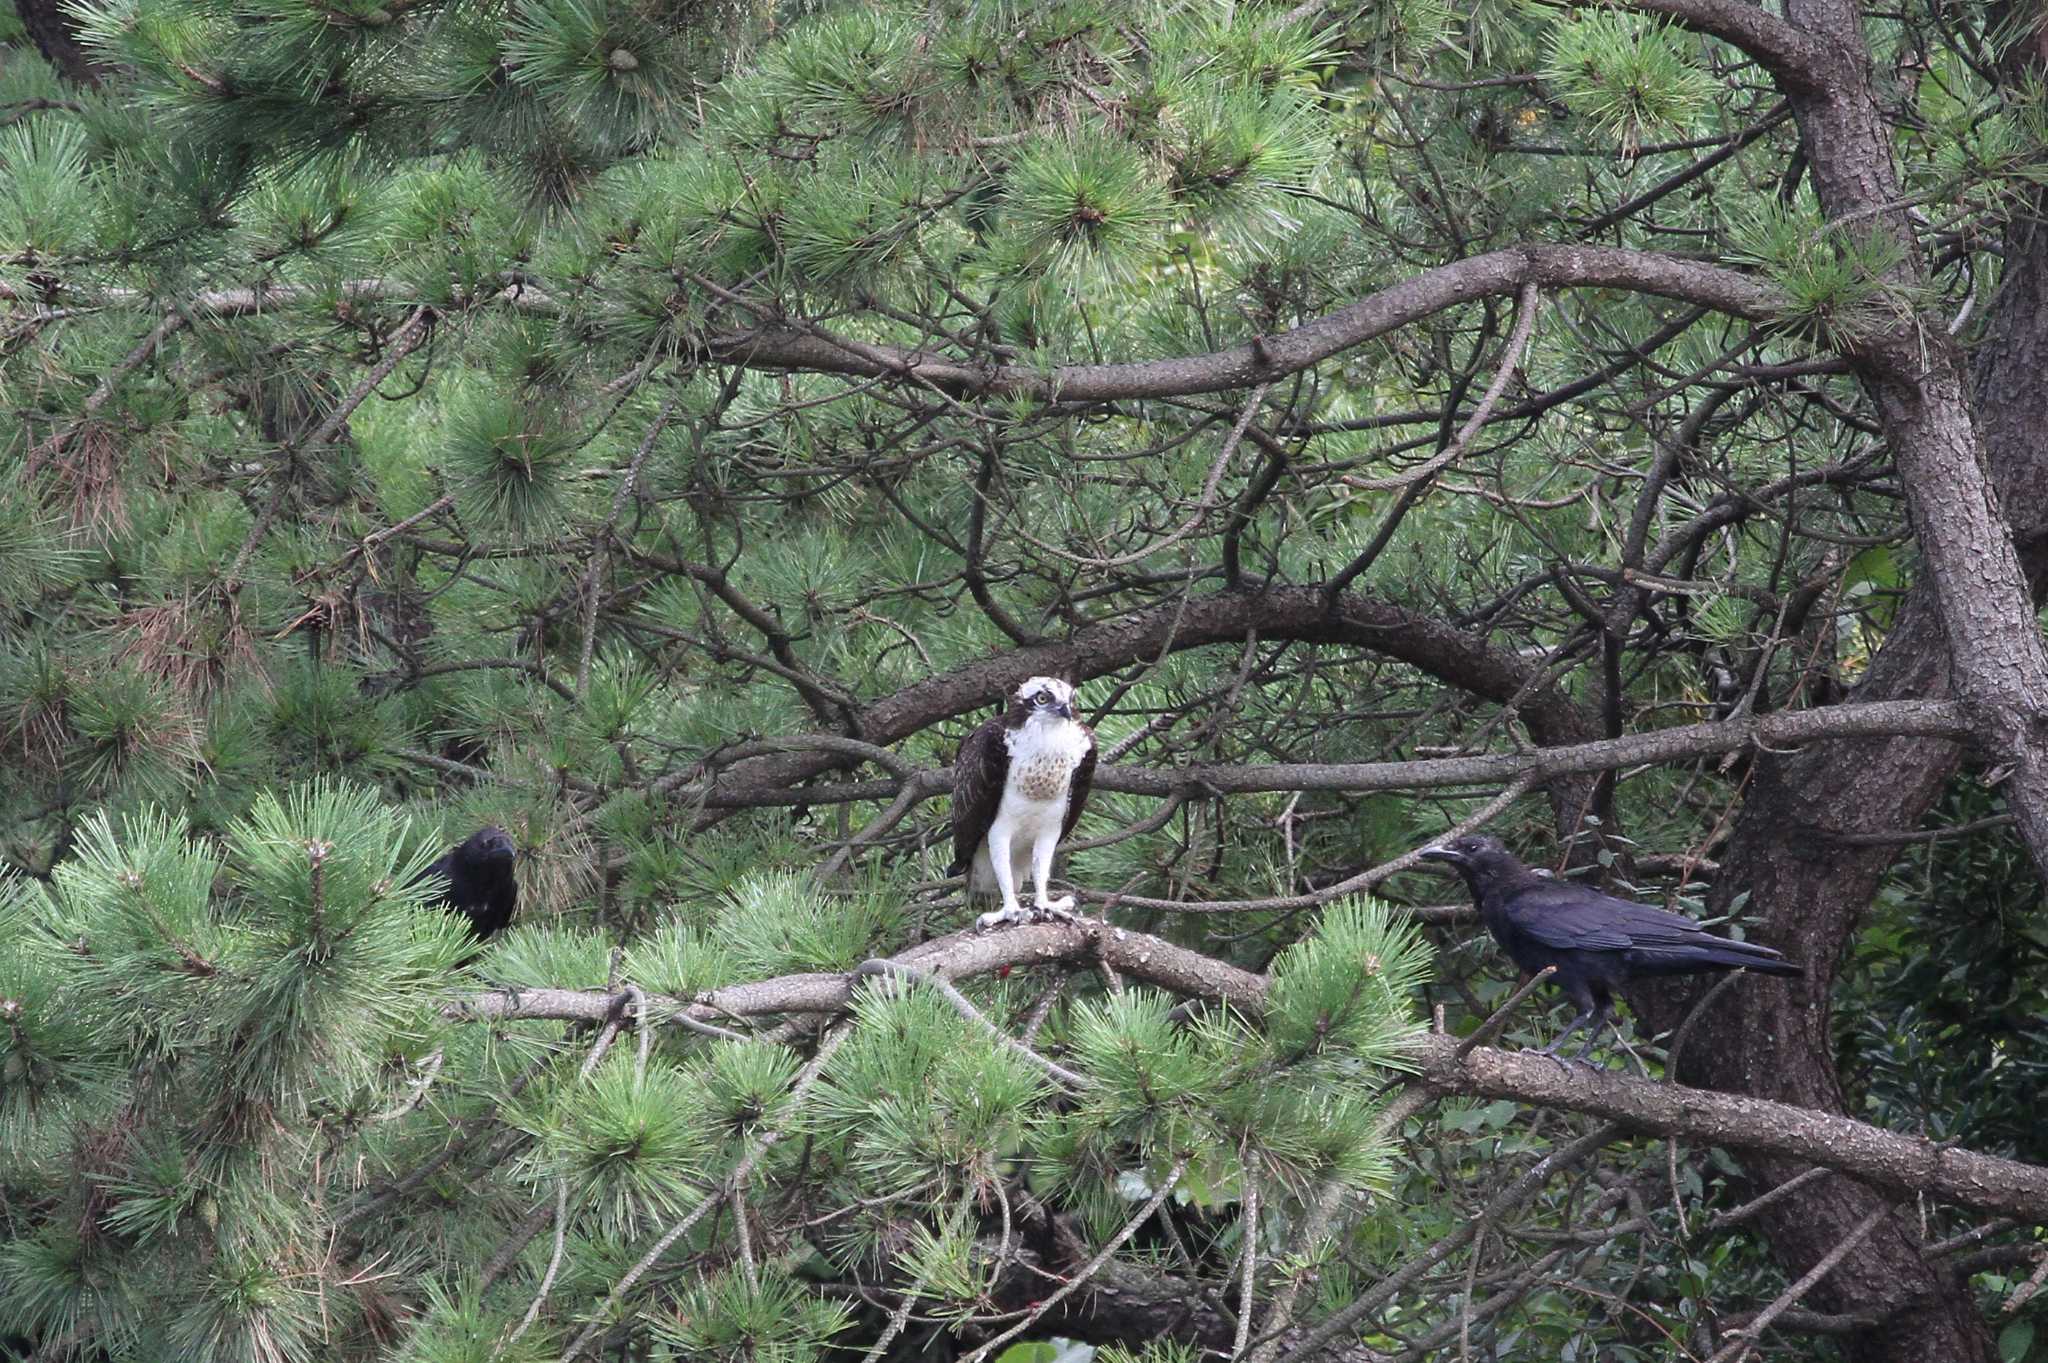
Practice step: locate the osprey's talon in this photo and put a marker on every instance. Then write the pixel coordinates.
(1000, 918)
(1061, 908)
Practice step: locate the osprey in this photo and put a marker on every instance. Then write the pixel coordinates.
(1019, 784)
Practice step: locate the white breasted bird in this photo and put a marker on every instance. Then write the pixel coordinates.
(1019, 785)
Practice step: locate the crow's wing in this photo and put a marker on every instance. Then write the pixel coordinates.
(443, 870)
(979, 774)
(1570, 917)
(1078, 788)
(1564, 915)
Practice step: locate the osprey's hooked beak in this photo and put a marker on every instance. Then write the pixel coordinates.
(1442, 851)
(1062, 709)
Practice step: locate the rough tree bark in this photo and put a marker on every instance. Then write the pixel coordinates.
(1808, 889)
(1916, 378)
(50, 29)
(1461, 658)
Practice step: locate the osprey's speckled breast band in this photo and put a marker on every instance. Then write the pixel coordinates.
(1043, 775)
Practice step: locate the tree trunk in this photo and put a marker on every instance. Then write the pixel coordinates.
(50, 29)
(1808, 891)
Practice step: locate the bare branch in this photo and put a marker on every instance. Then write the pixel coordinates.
(1482, 276)
(1739, 1350)
(1777, 730)
(1887, 1158)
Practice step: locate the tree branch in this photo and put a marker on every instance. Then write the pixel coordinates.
(1465, 659)
(1482, 276)
(1795, 58)
(1777, 730)
(1886, 1158)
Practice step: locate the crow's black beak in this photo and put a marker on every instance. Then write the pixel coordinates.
(1442, 852)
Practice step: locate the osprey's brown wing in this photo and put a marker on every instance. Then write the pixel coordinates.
(979, 773)
(1078, 788)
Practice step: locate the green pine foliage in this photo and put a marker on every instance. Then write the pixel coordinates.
(1834, 280)
(264, 1023)
(405, 436)
(1627, 76)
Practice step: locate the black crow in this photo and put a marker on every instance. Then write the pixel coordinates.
(480, 885)
(1597, 942)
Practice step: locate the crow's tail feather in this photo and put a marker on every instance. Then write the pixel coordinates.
(1722, 955)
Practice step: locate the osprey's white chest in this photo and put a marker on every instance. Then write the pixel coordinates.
(1043, 757)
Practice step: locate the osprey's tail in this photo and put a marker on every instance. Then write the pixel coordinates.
(981, 879)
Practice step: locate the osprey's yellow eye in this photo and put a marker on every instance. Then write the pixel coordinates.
(1042, 698)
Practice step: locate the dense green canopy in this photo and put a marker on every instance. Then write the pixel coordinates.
(664, 430)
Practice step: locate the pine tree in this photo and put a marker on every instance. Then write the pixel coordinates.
(662, 430)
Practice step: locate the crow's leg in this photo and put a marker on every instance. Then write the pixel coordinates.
(1603, 1018)
(1560, 1038)
(1592, 1008)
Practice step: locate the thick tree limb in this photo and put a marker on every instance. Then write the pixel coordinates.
(1885, 1158)
(1780, 729)
(1777, 730)
(961, 956)
(1482, 276)
(1797, 59)
(1463, 658)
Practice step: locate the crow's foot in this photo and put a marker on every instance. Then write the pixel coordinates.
(1567, 1062)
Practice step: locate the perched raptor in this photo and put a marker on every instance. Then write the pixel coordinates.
(480, 884)
(1597, 942)
(1019, 784)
